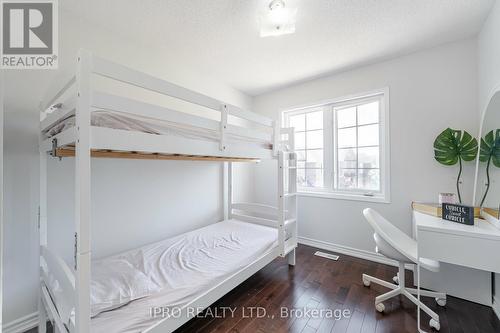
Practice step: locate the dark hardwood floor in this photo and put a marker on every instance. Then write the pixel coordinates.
(319, 283)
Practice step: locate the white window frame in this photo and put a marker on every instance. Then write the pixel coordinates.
(330, 150)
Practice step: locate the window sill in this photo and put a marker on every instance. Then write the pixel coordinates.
(342, 196)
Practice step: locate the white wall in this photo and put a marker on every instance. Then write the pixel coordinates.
(429, 91)
(489, 76)
(134, 202)
(20, 215)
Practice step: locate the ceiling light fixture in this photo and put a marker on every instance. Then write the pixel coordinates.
(277, 19)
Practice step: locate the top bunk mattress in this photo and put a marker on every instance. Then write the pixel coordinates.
(132, 122)
(186, 266)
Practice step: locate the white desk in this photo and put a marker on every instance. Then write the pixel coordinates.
(474, 246)
(455, 276)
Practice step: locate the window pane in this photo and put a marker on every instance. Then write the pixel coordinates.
(346, 137)
(314, 120)
(314, 177)
(315, 158)
(368, 135)
(298, 122)
(314, 139)
(348, 179)
(301, 155)
(368, 157)
(301, 164)
(368, 113)
(301, 177)
(300, 140)
(347, 158)
(346, 117)
(369, 179)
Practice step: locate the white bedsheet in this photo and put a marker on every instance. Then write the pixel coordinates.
(186, 266)
(131, 122)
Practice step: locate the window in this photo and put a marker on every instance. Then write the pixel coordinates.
(342, 147)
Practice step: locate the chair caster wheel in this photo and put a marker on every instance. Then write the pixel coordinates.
(441, 301)
(380, 307)
(366, 283)
(435, 324)
(396, 279)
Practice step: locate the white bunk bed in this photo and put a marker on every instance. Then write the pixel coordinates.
(90, 123)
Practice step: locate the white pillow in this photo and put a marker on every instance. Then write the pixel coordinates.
(115, 282)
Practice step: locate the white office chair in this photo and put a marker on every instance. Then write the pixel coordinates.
(395, 244)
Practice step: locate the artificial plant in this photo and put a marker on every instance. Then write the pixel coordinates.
(452, 147)
(490, 153)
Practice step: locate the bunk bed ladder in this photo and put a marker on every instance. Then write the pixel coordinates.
(82, 194)
(292, 205)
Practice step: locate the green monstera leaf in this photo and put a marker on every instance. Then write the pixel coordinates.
(490, 148)
(454, 146)
(490, 153)
(451, 146)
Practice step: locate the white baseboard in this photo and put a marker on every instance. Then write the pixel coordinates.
(22, 324)
(496, 305)
(350, 251)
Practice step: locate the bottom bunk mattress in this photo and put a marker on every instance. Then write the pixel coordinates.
(183, 268)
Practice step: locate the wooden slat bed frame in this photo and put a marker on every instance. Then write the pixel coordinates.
(69, 152)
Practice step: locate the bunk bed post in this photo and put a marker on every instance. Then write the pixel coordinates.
(290, 257)
(292, 190)
(228, 190)
(42, 230)
(82, 193)
(281, 202)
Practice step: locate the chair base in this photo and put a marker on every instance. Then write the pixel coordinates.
(400, 289)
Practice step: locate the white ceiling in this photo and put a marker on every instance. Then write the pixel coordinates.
(221, 37)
